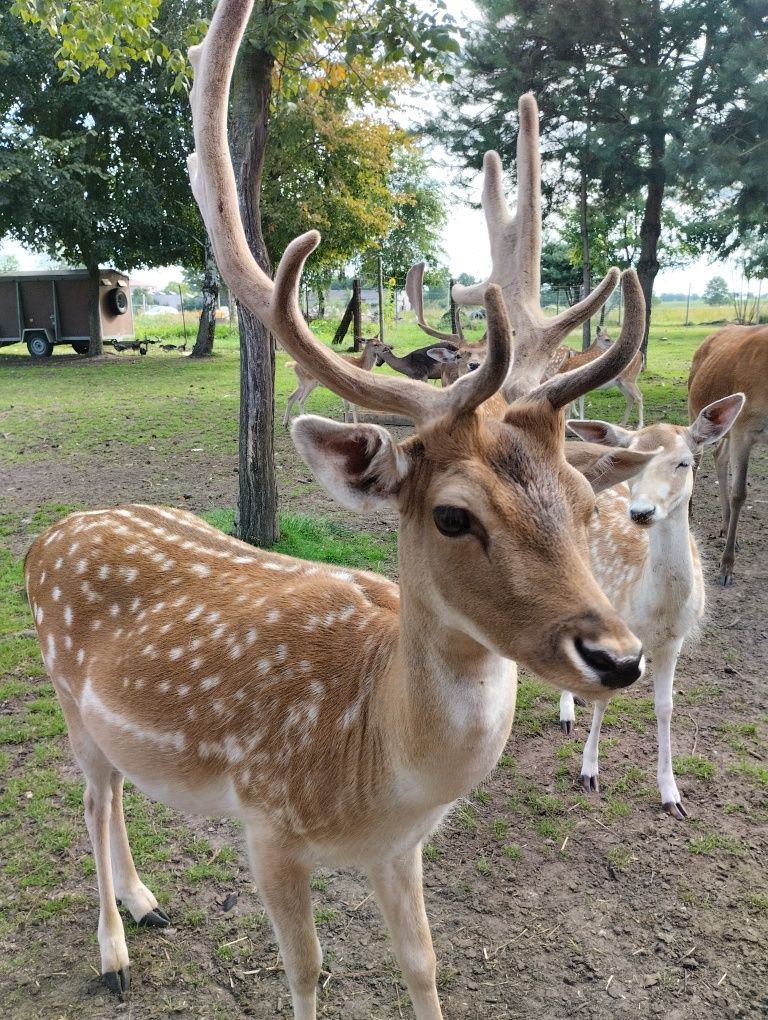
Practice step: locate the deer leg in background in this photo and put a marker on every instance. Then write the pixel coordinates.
(664, 663)
(740, 448)
(129, 888)
(722, 455)
(399, 892)
(632, 395)
(589, 762)
(283, 885)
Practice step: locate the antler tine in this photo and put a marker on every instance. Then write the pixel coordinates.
(276, 304)
(416, 400)
(414, 289)
(473, 389)
(561, 389)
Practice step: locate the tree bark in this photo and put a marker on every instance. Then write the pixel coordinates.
(96, 345)
(256, 516)
(650, 231)
(586, 285)
(207, 326)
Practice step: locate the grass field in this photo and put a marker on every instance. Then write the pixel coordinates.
(570, 883)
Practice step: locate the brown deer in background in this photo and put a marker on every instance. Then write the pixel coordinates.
(298, 696)
(734, 358)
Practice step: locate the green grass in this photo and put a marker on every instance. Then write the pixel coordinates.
(325, 540)
(693, 765)
(712, 844)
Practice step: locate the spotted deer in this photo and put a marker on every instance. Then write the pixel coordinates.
(338, 715)
(646, 561)
(307, 383)
(734, 358)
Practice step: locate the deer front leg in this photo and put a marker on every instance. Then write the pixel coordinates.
(589, 762)
(568, 711)
(664, 663)
(283, 885)
(398, 887)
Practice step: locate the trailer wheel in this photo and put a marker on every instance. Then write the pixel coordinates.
(39, 346)
(81, 346)
(118, 301)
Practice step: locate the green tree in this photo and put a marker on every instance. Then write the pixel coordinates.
(9, 264)
(625, 87)
(359, 35)
(717, 291)
(93, 169)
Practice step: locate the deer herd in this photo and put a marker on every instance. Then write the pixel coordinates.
(338, 715)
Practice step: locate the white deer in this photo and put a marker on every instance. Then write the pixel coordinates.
(297, 696)
(646, 561)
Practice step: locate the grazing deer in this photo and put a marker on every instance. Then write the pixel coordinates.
(646, 561)
(734, 358)
(306, 382)
(297, 696)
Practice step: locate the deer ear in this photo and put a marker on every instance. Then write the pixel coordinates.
(715, 420)
(604, 467)
(601, 432)
(359, 465)
(441, 354)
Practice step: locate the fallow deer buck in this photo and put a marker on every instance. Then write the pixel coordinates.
(646, 561)
(307, 383)
(298, 696)
(734, 358)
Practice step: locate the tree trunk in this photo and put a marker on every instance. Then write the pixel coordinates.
(207, 325)
(256, 516)
(96, 345)
(320, 301)
(586, 285)
(650, 231)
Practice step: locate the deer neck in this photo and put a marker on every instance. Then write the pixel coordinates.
(450, 705)
(670, 558)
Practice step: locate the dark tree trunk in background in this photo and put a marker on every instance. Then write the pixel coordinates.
(256, 515)
(96, 346)
(586, 285)
(207, 325)
(320, 301)
(650, 231)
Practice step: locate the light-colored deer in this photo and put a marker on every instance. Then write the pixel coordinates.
(734, 358)
(566, 360)
(307, 383)
(455, 364)
(298, 696)
(646, 561)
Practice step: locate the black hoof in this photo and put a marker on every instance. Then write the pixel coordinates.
(118, 981)
(579, 701)
(675, 810)
(566, 726)
(590, 784)
(156, 918)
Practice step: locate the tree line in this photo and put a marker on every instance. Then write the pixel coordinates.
(652, 120)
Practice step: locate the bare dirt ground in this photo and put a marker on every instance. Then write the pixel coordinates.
(543, 903)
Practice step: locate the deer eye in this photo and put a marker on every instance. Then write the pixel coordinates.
(451, 521)
(683, 464)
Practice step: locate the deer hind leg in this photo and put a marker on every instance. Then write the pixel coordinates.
(589, 763)
(398, 887)
(568, 711)
(722, 460)
(283, 885)
(99, 779)
(740, 448)
(664, 664)
(129, 888)
(289, 404)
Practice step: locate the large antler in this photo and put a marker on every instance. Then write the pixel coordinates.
(414, 289)
(276, 303)
(516, 257)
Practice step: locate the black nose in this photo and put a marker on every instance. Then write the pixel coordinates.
(642, 516)
(614, 672)
(473, 365)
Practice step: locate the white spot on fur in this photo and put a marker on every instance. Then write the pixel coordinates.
(201, 569)
(183, 690)
(175, 653)
(272, 616)
(68, 615)
(210, 682)
(56, 594)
